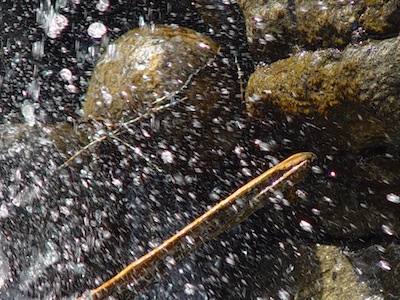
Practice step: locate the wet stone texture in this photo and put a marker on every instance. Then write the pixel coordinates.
(352, 98)
(328, 274)
(142, 67)
(344, 105)
(316, 82)
(270, 27)
(67, 230)
(141, 76)
(277, 28)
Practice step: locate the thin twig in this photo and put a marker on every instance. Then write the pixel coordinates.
(150, 110)
(229, 212)
(136, 152)
(240, 78)
(67, 162)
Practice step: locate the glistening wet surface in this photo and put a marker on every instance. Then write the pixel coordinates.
(65, 231)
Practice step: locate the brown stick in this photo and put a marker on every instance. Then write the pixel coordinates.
(227, 213)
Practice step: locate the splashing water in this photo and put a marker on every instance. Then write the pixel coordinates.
(52, 22)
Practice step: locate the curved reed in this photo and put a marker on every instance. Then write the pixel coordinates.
(229, 212)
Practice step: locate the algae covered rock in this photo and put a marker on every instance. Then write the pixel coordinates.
(326, 23)
(381, 18)
(316, 82)
(345, 107)
(270, 28)
(353, 94)
(153, 65)
(174, 80)
(277, 28)
(303, 84)
(330, 23)
(330, 276)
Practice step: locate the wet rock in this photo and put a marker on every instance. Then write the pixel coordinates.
(330, 275)
(270, 27)
(379, 80)
(357, 90)
(301, 84)
(59, 228)
(378, 265)
(381, 18)
(322, 81)
(150, 66)
(192, 97)
(276, 28)
(345, 107)
(326, 23)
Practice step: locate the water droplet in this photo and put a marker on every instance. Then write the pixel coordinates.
(66, 75)
(388, 230)
(102, 5)
(258, 18)
(117, 182)
(306, 226)
(316, 211)
(53, 23)
(170, 261)
(384, 265)
(301, 194)
(190, 289)
(269, 38)
(316, 170)
(283, 294)
(28, 112)
(393, 198)
(246, 172)
(38, 49)
(167, 157)
(34, 90)
(230, 260)
(3, 211)
(107, 97)
(5, 270)
(262, 145)
(146, 133)
(203, 45)
(97, 30)
(71, 88)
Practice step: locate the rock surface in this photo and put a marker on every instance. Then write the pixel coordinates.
(142, 69)
(64, 233)
(331, 276)
(317, 82)
(351, 98)
(277, 28)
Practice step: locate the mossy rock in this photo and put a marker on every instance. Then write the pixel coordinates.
(326, 23)
(275, 29)
(175, 75)
(316, 82)
(381, 17)
(304, 84)
(148, 64)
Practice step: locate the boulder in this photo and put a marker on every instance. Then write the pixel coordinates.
(277, 28)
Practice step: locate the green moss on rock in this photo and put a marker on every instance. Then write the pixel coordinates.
(326, 23)
(307, 83)
(146, 64)
(381, 17)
